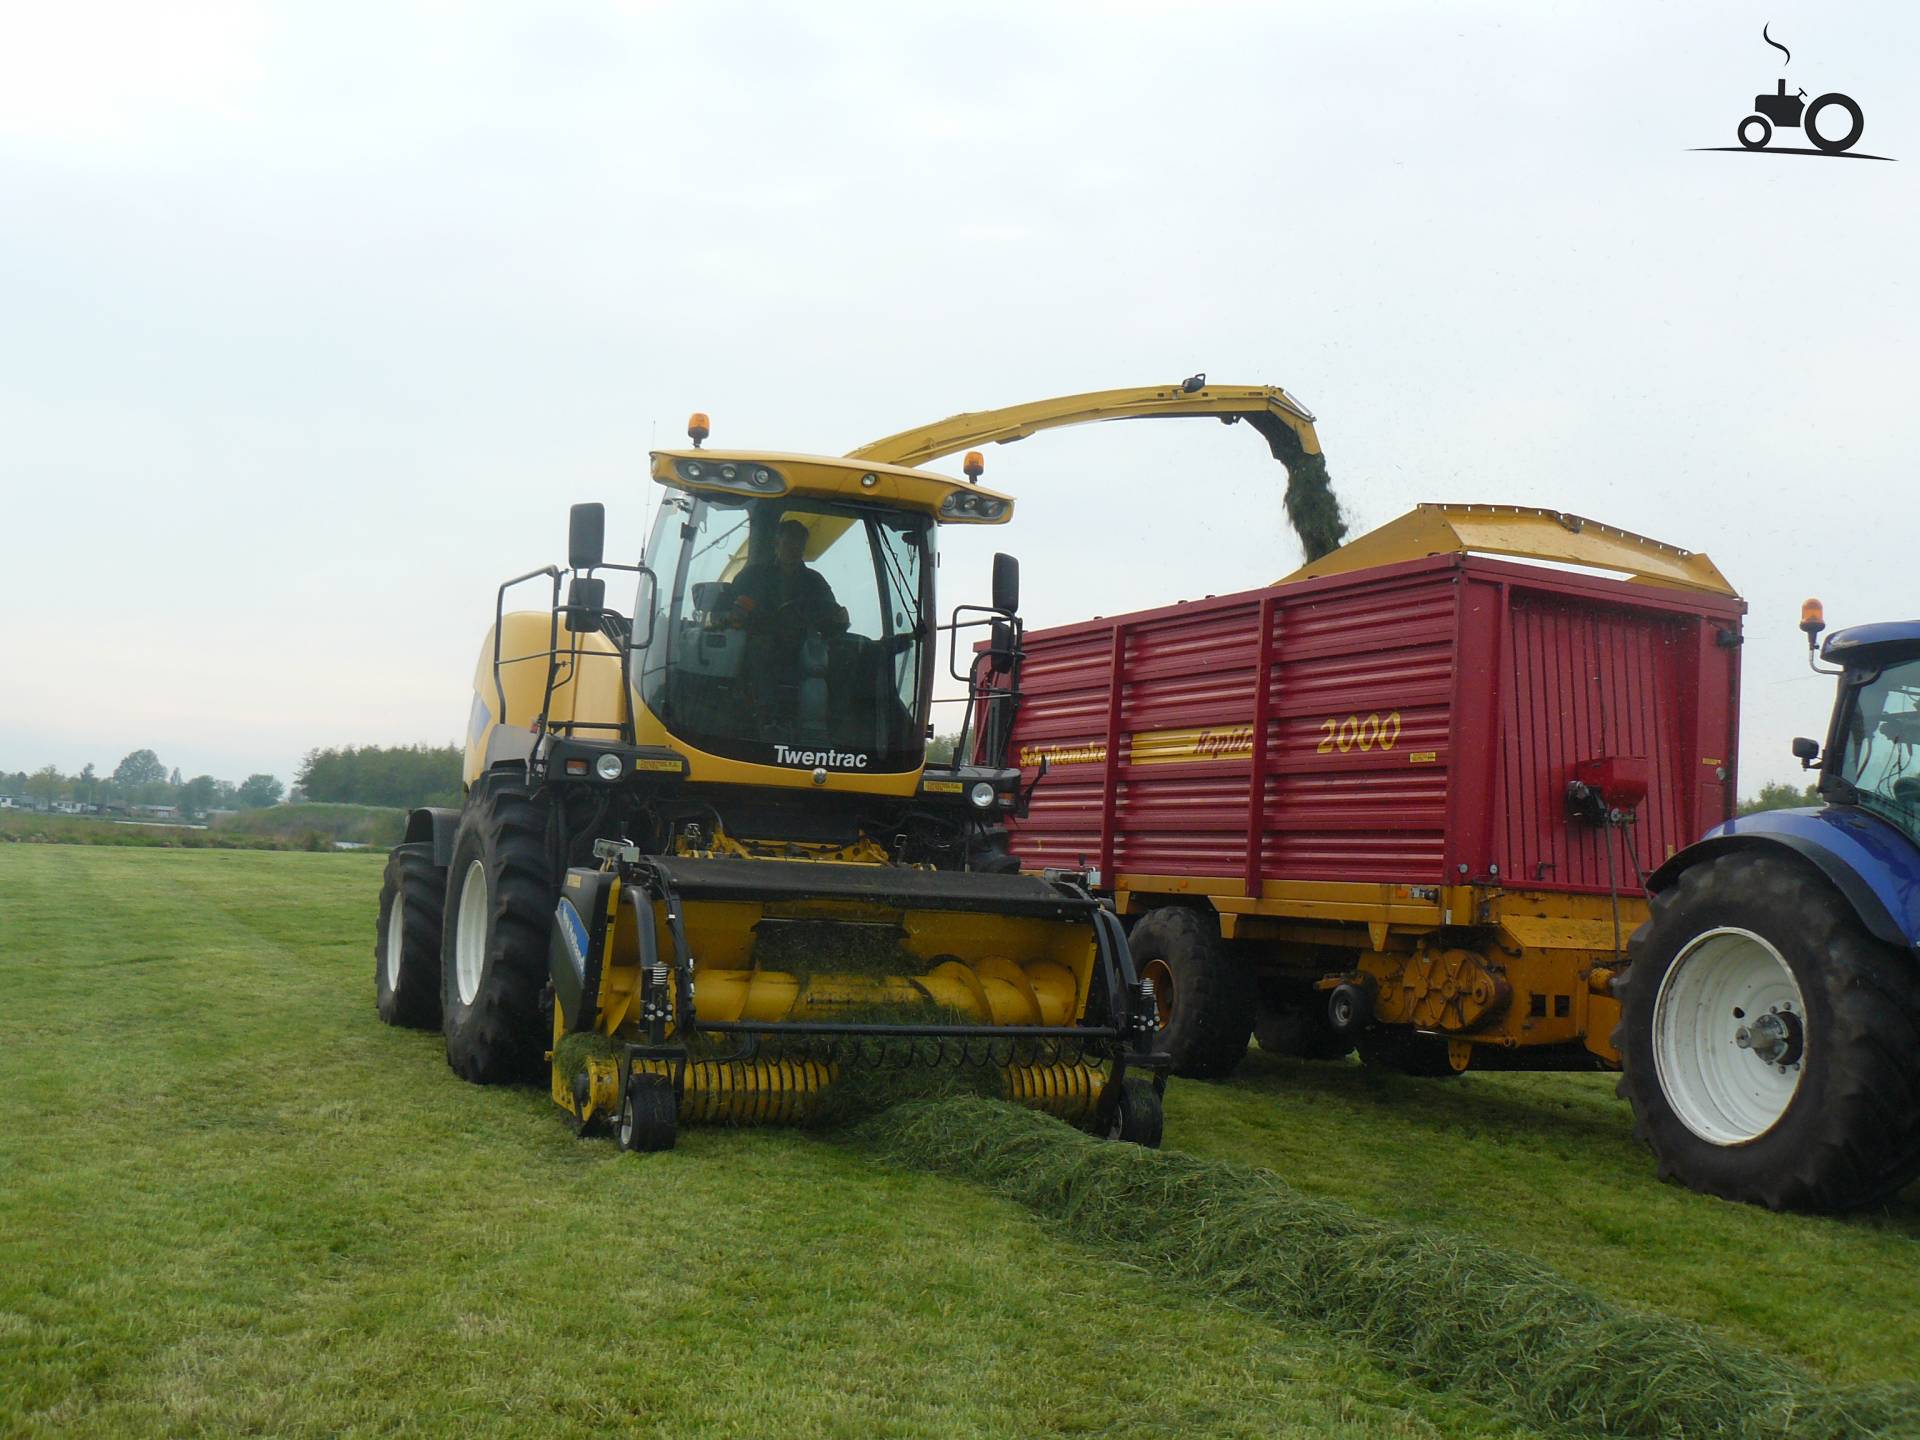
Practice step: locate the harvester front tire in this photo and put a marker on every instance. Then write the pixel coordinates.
(1138, 1116)
(1840, 1127)
(406, 947)
(499, 913)
(1206, 996)
(649, 1115)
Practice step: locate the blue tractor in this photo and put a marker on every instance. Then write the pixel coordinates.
(1770, 1009)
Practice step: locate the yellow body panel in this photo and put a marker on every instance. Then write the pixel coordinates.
(588, 687)
(1523, 531)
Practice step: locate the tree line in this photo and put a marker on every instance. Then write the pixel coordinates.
(140, 779)
(403, 775)
(397, 775)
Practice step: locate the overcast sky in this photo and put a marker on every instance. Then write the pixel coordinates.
(314, 319)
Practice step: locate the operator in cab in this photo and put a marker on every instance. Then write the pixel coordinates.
(790, 615)
(782, 597)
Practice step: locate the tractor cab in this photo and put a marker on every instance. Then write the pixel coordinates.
(793, 620)
(1872, 757)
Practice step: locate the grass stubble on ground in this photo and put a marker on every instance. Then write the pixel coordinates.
(231, 1201)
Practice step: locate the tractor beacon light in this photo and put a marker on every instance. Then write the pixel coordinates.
(975, 465)
(1813, 619)
(697, 427)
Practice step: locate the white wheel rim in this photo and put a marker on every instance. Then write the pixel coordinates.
(396, 930)
(470, 933)
(1719, 989)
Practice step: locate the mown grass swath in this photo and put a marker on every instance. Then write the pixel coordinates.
(1449, 1311)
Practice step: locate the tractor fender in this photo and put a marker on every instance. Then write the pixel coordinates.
(1873, 866)
(430, 823)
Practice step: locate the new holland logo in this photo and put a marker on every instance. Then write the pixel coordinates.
(573, 932)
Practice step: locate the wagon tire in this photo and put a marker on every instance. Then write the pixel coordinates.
(499, 914)
(1838, 1127)
(406, 946)
(1206, 997)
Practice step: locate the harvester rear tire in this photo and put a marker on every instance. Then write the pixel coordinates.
(500, 899)
(1209, 1013)
(1405, 1051)
(1847, 1134)
(649, 1115)
(1138, 1116)
(406, 946)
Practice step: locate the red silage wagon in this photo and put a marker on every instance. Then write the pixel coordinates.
(1402, 799)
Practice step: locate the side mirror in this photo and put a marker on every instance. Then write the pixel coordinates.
(586, 535)
(586, 603)
(1806, 751)
(1006, 584)
(1000, 648)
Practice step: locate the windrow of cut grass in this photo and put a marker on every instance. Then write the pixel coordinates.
(1450, 1312)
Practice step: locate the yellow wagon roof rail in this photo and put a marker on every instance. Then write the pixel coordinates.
(1264, 406)
(1526, 532)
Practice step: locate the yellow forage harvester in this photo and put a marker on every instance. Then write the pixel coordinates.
(705, 870)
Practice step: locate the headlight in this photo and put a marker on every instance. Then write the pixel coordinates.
(971, 505)
(982, 795)
(609, 767)
(757, 479)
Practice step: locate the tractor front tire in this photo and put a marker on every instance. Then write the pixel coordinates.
(1206, 997)
(500, 900)
(406, 949)
(1769, 1041)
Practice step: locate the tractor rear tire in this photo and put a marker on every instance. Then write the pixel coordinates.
(1206, 997)
(1405, 1051)
(1139, 1118)
(1820, 1109)
(406, 948)
(649, 1115)
(500, 901)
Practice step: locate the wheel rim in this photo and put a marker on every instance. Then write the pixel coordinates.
(1161, 974)
(470, 933)
(626, 1125)
(396, 934)
(1729, 1040)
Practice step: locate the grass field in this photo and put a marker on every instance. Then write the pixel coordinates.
(231, 1201)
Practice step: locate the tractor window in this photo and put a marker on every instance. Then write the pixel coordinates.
(1882, 739)
(790, 631)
